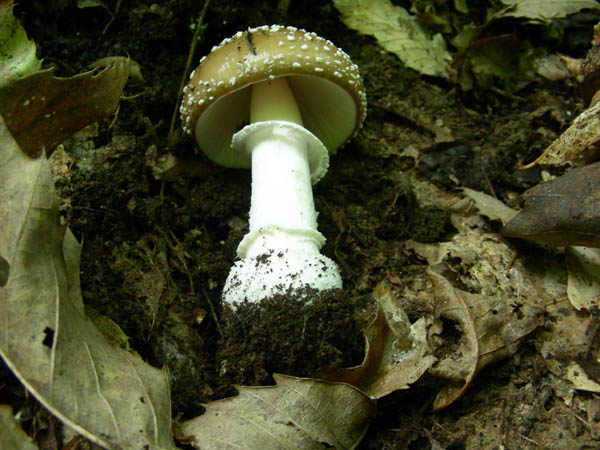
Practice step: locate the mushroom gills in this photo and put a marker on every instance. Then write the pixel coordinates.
(318, 100)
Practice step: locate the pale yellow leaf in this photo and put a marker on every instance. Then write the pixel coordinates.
(490, 207)
(577, 144)
(296, 413)
(107, 394)
(11, 435)
(583, 287)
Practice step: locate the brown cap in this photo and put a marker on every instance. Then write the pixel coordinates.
(326, 84)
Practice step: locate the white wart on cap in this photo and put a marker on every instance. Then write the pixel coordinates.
(326, 85)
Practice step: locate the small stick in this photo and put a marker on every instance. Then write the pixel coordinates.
(491, 188)
(187, 70)
(212, 311)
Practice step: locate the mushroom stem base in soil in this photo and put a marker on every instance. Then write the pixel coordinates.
(280, 253)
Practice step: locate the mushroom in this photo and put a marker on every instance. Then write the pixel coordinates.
(279, 100)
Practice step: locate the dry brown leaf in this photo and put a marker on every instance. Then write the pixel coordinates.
(42, 110)
(296, 413)
(491, 331)
(396, 353)
(564, 211)
(460, 365)
(567, 343)
(107, 394)
(493, 302)
(583, 287)
(489, 207)
(578, 145)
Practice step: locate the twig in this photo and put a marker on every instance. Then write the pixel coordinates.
(187, 70)
(212, 311)
(537, 444)
(490, 187)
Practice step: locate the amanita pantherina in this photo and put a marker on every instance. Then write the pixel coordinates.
(279, 100)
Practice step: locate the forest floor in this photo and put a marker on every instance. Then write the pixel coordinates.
(156, 253)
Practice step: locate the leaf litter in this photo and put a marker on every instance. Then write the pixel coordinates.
(396, 352)
(463, 304)
(42, 110)
(295, 413)
(107, 394)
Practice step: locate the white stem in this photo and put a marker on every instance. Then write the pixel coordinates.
(281, 250)
(282, 205)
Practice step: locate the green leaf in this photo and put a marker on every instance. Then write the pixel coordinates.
(547, 10)
(17, 52)
(398, 32)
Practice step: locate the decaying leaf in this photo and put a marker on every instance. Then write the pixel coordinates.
(107, 394)
(580, 379)
(460, 364)
(11, 434)
(564, 211)
(570, 347)
(398, 32)
(491, 331)
(17, 52)
(547, 10)
(396, 353)
(42, 110)
(553, 67)
(583, 288)
(479, 290)
(296, 413)
(489, 206)
(578, 145)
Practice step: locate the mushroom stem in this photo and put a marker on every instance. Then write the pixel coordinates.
(282, 196)
(281, 250)
(273, 100)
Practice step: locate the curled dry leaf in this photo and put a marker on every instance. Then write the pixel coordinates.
(491, 330)
(494, 302)
(578, 145)
(396, 352)
(583, 287)
(296, 413)
(459, 364)
(564, 211)
(107, 394)
(42, 110)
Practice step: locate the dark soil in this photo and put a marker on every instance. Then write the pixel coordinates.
(156, 254)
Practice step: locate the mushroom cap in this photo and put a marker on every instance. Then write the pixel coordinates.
(326, 84)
